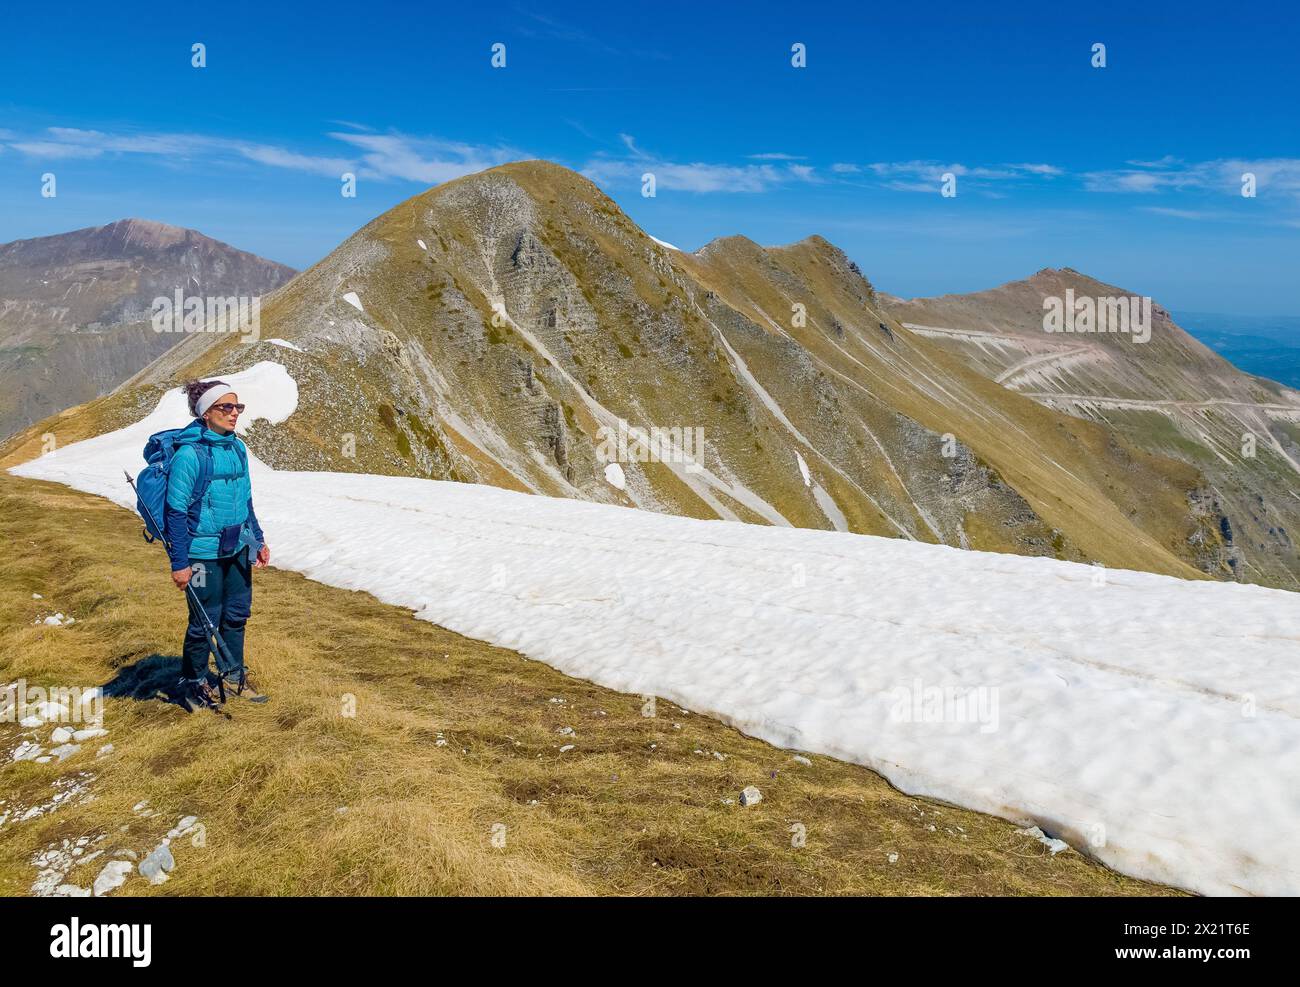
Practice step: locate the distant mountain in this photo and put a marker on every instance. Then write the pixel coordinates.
(1268, 346)
(1171, 395)
(72, 307)
(514, 326)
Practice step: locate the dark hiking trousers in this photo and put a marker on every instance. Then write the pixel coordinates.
(225, 589)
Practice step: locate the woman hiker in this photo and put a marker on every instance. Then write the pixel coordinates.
(214, 542)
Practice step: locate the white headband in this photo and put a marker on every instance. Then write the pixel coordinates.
(208, 398)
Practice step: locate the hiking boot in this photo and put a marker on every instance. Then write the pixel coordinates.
(242, 685)
(196, 695)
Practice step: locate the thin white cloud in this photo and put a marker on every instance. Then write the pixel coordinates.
(911, 172)
(53, 150)
(1177, 213)
(426, 160)
(1224, 175)
(695, 176)
(1047, 170)
(384, 156)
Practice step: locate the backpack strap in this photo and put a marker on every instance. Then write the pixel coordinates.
(201, 484)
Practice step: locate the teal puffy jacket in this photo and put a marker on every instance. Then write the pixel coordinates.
(228, 499)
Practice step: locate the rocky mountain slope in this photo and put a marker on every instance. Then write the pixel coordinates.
(498, 328)
(1170, 395)
(74, 308)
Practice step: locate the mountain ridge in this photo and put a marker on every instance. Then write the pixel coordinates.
(488, 329)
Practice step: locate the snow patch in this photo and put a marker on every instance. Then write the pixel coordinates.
(285, 344)
(803, 470)
(614, 476)
(352, 299)
(266, 387)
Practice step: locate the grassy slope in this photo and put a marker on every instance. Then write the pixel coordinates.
(614, 815)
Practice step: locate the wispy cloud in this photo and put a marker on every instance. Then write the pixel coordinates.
(1180, 213)
(695, 176)
(1224, 175)
(391, 156)
(927, 176)
(423, 159)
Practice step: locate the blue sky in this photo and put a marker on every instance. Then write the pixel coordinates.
(1131, 173)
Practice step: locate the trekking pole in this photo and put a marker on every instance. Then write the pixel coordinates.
(215, 640)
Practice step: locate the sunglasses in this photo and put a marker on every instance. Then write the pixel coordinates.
(226, 407)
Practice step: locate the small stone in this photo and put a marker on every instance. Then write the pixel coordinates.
(61, 735)
(65, 750)
(81, 736)
(566, 747)
(750, 796)
(892, 858)
(157, 864)
(37, 596)
(106, 749)
(800, 759)
(565, 731)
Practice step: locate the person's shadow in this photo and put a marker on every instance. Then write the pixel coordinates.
(154, 678)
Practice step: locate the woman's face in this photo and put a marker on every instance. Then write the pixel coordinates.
(223, 415)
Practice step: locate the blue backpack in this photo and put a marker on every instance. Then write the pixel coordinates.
(151, 484)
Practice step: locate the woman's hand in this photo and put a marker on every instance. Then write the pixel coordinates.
(181, 577)
(263, 557)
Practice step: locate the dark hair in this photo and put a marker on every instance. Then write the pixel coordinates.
(195, 389)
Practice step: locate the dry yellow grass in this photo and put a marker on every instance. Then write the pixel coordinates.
(296, 798)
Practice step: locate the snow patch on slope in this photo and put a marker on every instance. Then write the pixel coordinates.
(266, 388)
(803, 470)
